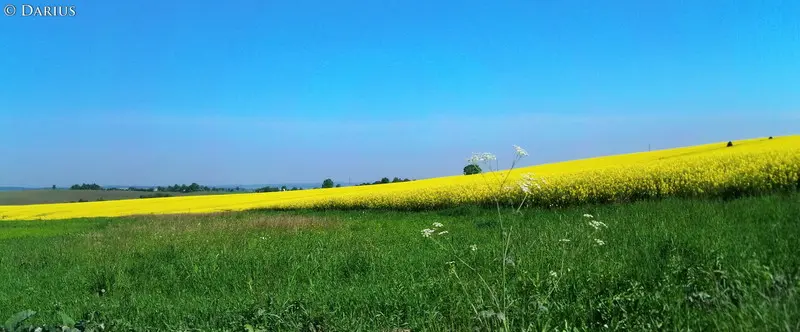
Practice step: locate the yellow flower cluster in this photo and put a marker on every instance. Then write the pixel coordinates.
(750, 166)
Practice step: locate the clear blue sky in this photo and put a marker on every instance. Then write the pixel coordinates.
(239, 92)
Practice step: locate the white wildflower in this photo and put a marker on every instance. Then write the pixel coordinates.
(427, 232)
(437, 225)
(473, 247)
(563, 240)
(483, 157)
(553, 274)
(525, 188)
(586, 215)
(597, 224)
(520, 151)
(600, 242)
(443, 232)
(528, 181)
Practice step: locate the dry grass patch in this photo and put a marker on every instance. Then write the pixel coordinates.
(223, 222)
(190, 227)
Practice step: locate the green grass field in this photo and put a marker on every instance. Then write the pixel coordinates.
(665, 265)
(42, 196)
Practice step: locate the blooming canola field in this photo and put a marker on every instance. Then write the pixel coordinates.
(712, 170)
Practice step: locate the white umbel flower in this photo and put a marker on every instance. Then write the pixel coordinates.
(597, 224)
(520, 151)
(483, 157)
(525, 187)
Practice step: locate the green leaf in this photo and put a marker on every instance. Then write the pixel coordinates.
(66, 319)
(13, 323)
(249, 328)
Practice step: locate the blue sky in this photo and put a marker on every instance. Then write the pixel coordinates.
(240, 92)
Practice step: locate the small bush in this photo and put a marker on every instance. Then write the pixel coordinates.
(472, 169)
(770, 137)
(156, 195)
(730, 144)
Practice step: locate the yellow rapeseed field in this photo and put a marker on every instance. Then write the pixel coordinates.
(750, 166)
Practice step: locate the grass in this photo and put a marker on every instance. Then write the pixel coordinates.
(47, 196)
(666, 265)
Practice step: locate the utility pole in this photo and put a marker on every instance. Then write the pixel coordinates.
(648, 147)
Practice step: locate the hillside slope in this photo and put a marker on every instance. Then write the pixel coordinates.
(753, 165)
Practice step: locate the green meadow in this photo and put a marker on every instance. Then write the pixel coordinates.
(666, 265)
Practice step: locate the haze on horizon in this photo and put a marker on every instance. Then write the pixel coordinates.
(147, 93)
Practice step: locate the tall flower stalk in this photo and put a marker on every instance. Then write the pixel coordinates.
(526, 184)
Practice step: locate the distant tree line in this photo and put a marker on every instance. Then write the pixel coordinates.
(384, 180)
(269, 189)
(178, 188)
(155, 195)
(84, 186)
(328, 183)
(194, 187)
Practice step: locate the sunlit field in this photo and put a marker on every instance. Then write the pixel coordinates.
(697, 238)
(751, 166)
(668, 265)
